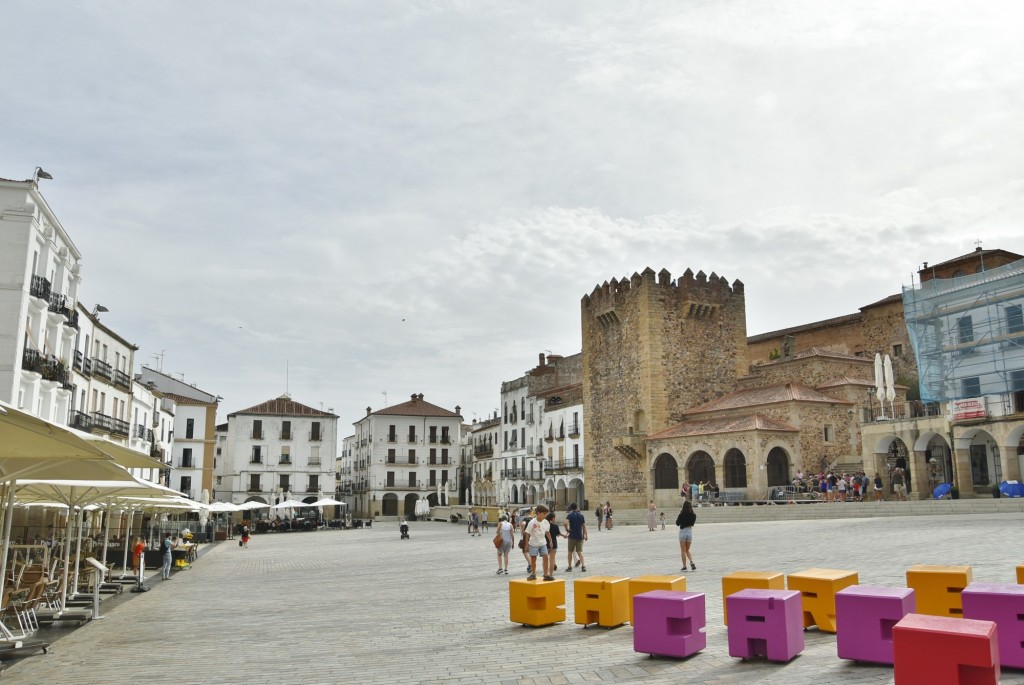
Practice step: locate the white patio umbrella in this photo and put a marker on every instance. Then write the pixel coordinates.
(890, 385)
(880, 382)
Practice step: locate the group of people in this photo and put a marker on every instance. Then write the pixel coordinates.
(603, 512)
(476, 521)
(167, 547)
(701, 491)
(538, 539)
(843, 487)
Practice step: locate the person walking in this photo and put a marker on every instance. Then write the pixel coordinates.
(538, 539)
(245, 537)
(483, 522)
(899, 486)
(524, 541)
(576, 535)
(165, 547)
(508, 538)
(686, 519)
(599, 512)
(138, 552)
(878, 487)
(554, 533)
(652, 517)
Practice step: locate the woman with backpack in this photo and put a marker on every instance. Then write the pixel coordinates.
(686, 519)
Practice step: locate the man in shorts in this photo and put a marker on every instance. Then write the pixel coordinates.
(899, 484)
(577, 534)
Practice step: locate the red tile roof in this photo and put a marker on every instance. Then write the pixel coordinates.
(731, 424)
(417, 407)
(773, 394)
(846, 380)
(283, 406)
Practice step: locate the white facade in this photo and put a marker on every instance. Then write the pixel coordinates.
(192, 433)
(403, 454)
(278, 450)
(102, 378)
(344, 491)
(39, 283)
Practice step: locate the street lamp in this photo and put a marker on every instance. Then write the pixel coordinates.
(39, 173)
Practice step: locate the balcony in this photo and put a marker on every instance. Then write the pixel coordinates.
(574, 430)
(81, 421)
(563, 465)
(187, 463)
(78, 360)
(315, 436)
(253, 487)
(445, 440)
(31, 360)
(102, 422)
(123, 380)
(285, 459)
(40, 287)
(529, 419)
(286, 435)
(102, 369)
(412, 438)
(485, 450)
(87, 367)
(71, 314)
(539, 451)
(256, 434)
(631, 445)
(120, 427)
(432, 440)
(392, 437)
(58, 303)
(256, 459)
(139, 432)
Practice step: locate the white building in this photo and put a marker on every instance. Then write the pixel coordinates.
(345, 488)
(39, 283)
(403, 454)
(103, 385)
(278, 450)
(195, 419)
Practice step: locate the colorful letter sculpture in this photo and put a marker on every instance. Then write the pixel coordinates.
(603, 600)
(937, 589)
(819, 586)
(669, 623)
(865, 616)
(1004, 605)
(536, 602)
(939, 650)
(752, 580)
(641, 584)
(1020, 574)
(765, 623)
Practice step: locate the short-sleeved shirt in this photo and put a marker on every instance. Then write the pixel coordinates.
(538, 529)
(575, 520)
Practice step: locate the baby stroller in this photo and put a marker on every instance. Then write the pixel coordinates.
(404, 530)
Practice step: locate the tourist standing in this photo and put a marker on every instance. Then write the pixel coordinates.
(599, 512)
(652, 516)
(245, 536)
(166, 546)
(878, 487)
(577, 525)
(483, 521)
(138, 551)
(607, 515)
(508, 538)
(554, 534)
(661, 517)
(538, 539)
(899, 485)
(686, 519)
(524, 541)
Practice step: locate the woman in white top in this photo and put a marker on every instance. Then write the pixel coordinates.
(508, 535)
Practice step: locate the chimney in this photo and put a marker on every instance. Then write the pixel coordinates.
(458, 410)
(367, 411)
(413, 397)
(540, 359)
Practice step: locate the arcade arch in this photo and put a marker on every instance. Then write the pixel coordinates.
(778, 467)
(735, 469)
(700, 468)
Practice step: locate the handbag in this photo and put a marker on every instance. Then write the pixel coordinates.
(239, 543)
(497, 540)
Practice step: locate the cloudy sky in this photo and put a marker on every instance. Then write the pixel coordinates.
(413, 196)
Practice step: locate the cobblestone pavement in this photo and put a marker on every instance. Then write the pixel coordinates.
(363, 606)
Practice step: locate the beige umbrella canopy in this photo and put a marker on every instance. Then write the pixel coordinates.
(29, 445)
(124, 456)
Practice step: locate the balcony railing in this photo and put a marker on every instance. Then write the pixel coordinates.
(316, 436)
(121, 427)
(256, 459)
(285, 459)
(574, 430)
(539, 451)
(103, 369)
(81, 421)
(286, 435)
(909, 410)
(186, 463)
(256, 434)
(71, 314)
(57, 303)
(412, 437)
(78, 360)
(432, 439)
(40, 287)
(103, 422)
(31, 360)
(483, 450)
(122, 380)
(253, 487)
(87, 367)
(139, 431)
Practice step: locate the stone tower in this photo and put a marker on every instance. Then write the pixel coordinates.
(652, 347)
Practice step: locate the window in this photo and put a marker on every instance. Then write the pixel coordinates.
(286, 454)
(186, 458)
(190, 428)
(965, 334)
(284, 481)
(218, 480)
(390, 479)
(314, 431)
(829, 433)
(444, 456)
(1017, 381)
(257, 430)
(412, 433)
(970, 387)
(576, 456)
(286, 430)
(433, 477)
(186, 485)
(445, 440)
(412, 456)
(314, 483)
(392, 435)
(433, 434)
(391, 455)
(1014, 319)
(257, 454)
(444, 476)
(897, 350)
(412, 479)
(433, 455)
(254, 482)
(314, 455)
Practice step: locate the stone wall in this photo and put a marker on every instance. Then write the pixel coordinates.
(652, 347)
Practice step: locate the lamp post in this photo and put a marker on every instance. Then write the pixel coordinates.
(872, 391)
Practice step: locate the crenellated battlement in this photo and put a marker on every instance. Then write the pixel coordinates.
(690, 286)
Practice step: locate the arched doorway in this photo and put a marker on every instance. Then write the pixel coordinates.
(432, 498)
(778, 467)
(700, 468)
(410, 505)
(735, 467)
(897, 457)
(666, 473)
(515, 495)
(938, 462)
(389, 505)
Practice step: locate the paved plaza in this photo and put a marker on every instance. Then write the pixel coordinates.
(363, 606)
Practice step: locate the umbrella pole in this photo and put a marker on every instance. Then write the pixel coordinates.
(9, 511)
(78, 551)
(106, 540)
(67, 558)
(127, 541)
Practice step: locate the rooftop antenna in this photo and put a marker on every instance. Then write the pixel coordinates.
(286, 386)
(385, 393)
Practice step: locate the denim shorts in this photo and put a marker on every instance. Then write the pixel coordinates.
(541, 551)
(686, 534)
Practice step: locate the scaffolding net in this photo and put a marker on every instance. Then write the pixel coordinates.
(968, 333)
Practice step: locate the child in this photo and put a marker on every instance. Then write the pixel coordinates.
(553, 534)
(662, 517)
(538, 532)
